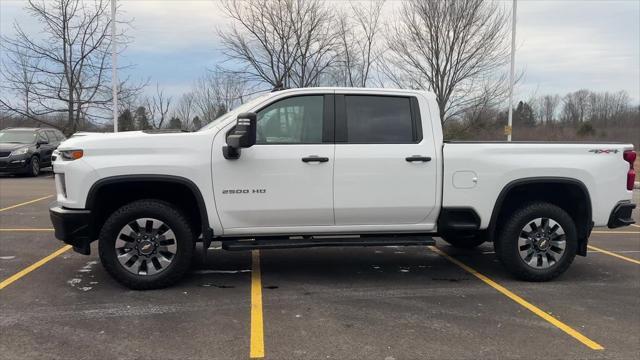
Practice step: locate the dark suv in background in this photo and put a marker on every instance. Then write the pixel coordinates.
(27, 150)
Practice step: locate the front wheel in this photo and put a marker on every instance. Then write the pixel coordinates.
(146, 244)
(538, 242)
(34, 167)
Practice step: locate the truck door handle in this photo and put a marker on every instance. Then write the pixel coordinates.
(315, 158)
(418, 158)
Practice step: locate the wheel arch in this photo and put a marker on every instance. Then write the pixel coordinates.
(163, 187)
(574, 199)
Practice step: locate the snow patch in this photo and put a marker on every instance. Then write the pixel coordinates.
(77, 282)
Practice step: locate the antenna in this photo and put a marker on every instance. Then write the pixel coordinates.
(279, 86)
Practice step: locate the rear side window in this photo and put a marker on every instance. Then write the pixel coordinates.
(380, 120)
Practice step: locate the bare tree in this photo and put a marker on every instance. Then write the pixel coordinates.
(205, 99)
(575, 107)
(548, 108)
(280, 42)
(158, 107)
(454, 48)
(480, 115)
(19, 75)
(67, 70)
(358, 50)
(603, 107)
(185, 109)
(216, 93)
(315, 40)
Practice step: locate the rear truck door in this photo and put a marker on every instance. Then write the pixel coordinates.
(385, 167)
(286, 178)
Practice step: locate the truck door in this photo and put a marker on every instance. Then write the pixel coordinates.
(286, 179)
(385, 168)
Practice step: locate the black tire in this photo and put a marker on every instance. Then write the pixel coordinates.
(34, 167)
(506, 244)
(465, 241)
(162, 211)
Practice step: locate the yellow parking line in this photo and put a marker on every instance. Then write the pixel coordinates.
(616, 232)
(257, 327)
(25, 203)
(27, 230)
(534, 309)
(33, 267)
(613, 254)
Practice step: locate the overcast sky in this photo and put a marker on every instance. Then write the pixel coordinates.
(562, 45)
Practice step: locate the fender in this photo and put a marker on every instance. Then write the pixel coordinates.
(207, 232)
(583, 232)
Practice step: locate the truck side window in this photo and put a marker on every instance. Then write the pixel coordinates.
(295, 120)
(379, 120)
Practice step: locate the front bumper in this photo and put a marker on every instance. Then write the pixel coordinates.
(73, 227)
(621, 215)
(15, 164)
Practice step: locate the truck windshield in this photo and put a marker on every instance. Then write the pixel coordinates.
(233, 113)
(17, 137)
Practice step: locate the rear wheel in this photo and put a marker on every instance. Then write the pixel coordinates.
(538, 243)
(146, 245)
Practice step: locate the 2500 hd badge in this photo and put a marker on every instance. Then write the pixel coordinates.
(244, 191)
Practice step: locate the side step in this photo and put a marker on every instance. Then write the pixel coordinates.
(307, 242)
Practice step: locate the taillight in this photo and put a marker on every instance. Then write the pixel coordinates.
(630, 157)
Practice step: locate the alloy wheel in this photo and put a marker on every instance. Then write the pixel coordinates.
(146, 246)
(541, 243)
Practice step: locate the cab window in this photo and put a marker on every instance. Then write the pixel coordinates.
(381, 120)
(295, 120)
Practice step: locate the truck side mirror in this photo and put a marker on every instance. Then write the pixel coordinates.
(243, 135)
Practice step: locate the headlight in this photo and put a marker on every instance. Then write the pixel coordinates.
(20, 151)
(71, 154)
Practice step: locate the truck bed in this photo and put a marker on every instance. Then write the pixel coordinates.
(476, 172)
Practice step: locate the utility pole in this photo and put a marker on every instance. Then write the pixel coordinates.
(114, 66)
(508, 130)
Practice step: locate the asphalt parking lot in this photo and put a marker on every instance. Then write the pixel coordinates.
(329, 303)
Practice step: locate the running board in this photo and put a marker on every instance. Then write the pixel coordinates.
(308, 242)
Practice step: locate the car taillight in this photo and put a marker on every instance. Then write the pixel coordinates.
(630, 157)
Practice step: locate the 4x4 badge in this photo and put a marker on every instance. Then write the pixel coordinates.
(604, 151)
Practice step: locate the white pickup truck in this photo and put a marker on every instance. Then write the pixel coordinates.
(332, 167)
